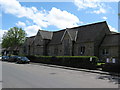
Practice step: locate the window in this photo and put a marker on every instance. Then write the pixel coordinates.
(56, 50)
(105, 52)
(66, 47)
(24, 50)
(60, 50)
(81, 50)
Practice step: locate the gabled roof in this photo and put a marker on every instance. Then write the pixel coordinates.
(112, 32)
(88, 33)
(111, 40)
(46, 34)
(29, 40)
(85, 33)
(56, 38)
(71, 32)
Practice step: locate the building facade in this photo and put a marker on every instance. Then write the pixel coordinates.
(0, 49)
(89, 40)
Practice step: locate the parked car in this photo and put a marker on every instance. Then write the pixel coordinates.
(22, 60)
(0, 58)
(5, 58)
(13, 58)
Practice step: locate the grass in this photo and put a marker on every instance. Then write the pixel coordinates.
(99, 64)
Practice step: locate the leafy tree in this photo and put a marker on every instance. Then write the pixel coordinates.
(14, 37)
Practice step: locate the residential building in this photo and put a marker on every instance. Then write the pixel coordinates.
(88, 40)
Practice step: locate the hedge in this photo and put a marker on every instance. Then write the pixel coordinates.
(111, 67)
(72, 61)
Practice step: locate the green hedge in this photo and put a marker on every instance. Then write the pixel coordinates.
(72, 61)
(111, 67)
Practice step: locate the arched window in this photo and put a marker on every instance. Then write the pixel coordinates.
(56, 50)
(81, 50)
(105, 51)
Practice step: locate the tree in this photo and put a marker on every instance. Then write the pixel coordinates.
(14, 37)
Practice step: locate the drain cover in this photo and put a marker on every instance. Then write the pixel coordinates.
(52, 73)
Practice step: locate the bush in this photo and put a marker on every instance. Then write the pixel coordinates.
(72, 61)
(111, 67)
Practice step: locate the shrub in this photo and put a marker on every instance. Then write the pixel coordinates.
(73, 61)
(111, 67)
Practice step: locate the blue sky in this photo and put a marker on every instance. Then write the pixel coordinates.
(53, 16)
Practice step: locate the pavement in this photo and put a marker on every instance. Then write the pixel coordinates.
(0, 75)
(79, 69)
(42, 76)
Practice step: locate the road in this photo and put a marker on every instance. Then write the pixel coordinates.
(39, 76)
(0, 74)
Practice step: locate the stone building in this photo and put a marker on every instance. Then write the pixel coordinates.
(88, 40)
(37, 45)
(110, 47)
(0, 49)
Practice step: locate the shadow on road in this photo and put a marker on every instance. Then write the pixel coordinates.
(110, 78)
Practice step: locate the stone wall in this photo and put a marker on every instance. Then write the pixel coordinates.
(67, 45)
(0, 48)
(89, 49)
(112, 52)
(55, 50)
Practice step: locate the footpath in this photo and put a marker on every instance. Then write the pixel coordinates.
(79, 69)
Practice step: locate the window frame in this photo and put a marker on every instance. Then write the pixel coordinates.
(105, 51)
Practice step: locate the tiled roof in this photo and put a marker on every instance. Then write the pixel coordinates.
(57, 35)
(46, 34)
(72, 33)
(88, 33)
(85, 33)
(29, 40)
(111, 40)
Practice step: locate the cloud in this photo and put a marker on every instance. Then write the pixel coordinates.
(14, 7)
(106, 0)
(112, 28)
(101, 10)
(83, 4)
(91, 4)
(105, 18)
(62, 19)
(1, 34)
(20, 24)
(41, 18)
(31, 30)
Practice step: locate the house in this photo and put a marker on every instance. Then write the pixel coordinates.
(87, 40)
(38, 44)
(55, 48)
(0, 49)
(110, 47)
(79, 41)
(26, 48)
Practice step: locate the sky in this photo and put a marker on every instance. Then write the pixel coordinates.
(54, 16)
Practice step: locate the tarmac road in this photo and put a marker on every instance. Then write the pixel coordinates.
(38, 76)
(0, 74)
